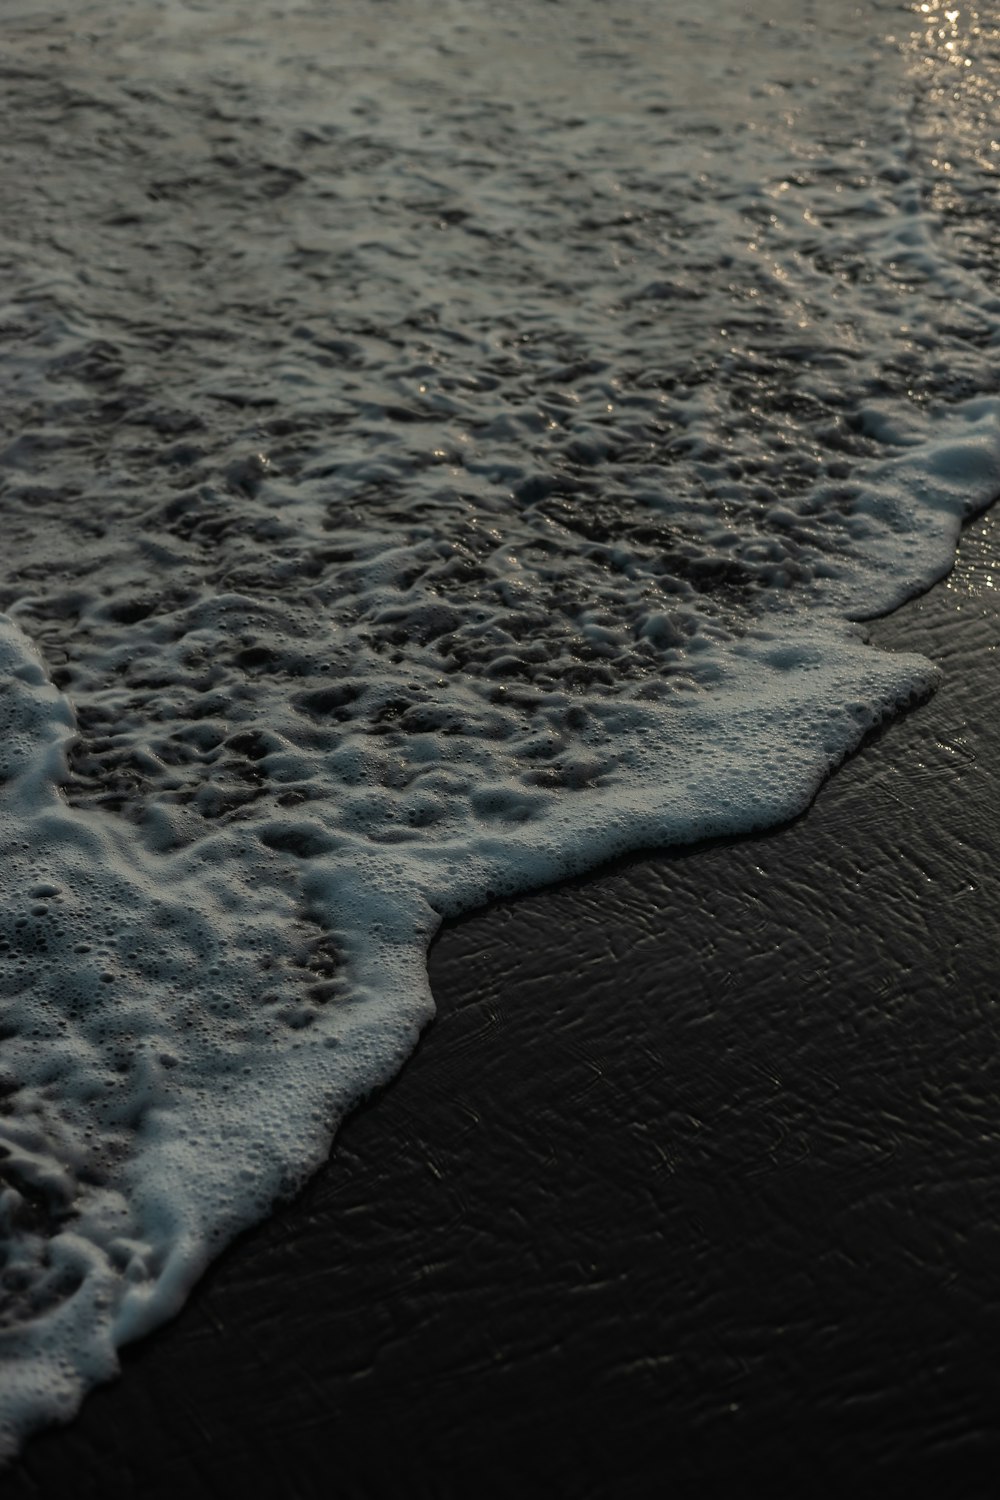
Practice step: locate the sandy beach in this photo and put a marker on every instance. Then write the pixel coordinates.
(691, 1185)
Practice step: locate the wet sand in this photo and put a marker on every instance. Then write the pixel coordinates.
(692, 1187)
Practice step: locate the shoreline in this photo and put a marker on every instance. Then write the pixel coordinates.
(692, 1180)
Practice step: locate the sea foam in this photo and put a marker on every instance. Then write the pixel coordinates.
(441, 452)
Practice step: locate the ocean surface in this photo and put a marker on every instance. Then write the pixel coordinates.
(442, 448)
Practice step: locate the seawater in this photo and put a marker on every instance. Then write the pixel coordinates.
(443, 446)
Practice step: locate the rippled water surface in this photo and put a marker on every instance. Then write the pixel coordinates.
(440, 448)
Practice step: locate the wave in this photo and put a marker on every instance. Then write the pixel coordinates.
(435, 460)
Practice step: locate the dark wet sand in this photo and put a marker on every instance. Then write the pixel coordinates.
(692, 1188)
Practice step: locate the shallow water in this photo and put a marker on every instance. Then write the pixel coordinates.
(441, 450)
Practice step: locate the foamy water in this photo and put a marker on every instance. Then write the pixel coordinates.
(442, 449)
